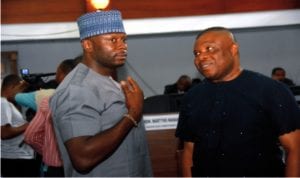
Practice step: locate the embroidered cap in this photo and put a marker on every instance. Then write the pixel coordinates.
(100, 22)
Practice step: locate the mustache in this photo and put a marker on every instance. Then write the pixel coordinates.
(121, 53)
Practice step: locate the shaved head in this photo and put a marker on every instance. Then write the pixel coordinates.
(218, 29)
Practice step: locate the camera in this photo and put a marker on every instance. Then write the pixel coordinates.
(24, 72)
(31, 79)
(35, 80)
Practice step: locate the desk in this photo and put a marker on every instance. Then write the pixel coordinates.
(163, 145)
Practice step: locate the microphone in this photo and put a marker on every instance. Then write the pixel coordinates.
(46, 74)
(42, 74)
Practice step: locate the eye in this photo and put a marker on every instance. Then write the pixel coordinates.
(196, 53)
(113, 40)
(210, 49)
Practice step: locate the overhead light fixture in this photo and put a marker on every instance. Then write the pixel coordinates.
(94, 5)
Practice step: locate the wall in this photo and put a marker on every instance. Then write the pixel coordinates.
(34, 11)
(157, 60)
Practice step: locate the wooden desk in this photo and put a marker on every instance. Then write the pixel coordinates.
(164, 155)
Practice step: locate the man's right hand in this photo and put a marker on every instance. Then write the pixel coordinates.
(134, 98)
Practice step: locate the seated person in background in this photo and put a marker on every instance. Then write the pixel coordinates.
(182, 85)
(278, 73)
(196, 81)
(17, 158)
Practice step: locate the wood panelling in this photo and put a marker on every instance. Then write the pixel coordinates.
(163, 152)
(169, 8)
(31, 11)
(9, 63)
(260, 5)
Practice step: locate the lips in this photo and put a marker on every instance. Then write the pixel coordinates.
(205, 65)
(121, 55)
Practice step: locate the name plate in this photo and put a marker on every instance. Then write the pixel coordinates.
(161, 121)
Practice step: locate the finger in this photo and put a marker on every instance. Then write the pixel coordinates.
(124, 87)
(133, 84)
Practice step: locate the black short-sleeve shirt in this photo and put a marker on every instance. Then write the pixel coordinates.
(235, 125)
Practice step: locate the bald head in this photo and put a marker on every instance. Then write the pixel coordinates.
(220, 30)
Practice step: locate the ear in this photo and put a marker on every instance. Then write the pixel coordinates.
(87, 45)
(235, 49)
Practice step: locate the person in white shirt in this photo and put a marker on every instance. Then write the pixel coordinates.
(17, 158)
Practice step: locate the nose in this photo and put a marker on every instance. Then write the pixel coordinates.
(122, 45)
(201, 57)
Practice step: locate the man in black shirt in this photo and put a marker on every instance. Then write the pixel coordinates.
(278, 73)
(182, 85)
(233, 122)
